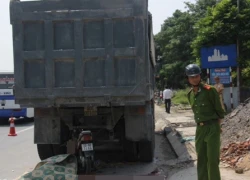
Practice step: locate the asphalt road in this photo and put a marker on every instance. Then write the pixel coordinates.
(18, 154)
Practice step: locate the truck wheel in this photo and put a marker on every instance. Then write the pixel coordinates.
(146, 151)
(44, 151)
(48, 150)
(130, 151)
(146, 148)
(59, 149)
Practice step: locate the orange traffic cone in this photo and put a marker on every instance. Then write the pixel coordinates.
(12, 127)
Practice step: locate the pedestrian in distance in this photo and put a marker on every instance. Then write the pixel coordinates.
(208, 115)
(167, 95)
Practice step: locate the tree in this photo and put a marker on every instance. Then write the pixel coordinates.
(174, 43)
(199, 9)
(223, 25)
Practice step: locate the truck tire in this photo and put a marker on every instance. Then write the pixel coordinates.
(146, 151)
(130, 151)
(48, 150)
(44, 151)
(147, 148)
(59, 149)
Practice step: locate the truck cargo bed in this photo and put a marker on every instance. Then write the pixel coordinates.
(78, 52)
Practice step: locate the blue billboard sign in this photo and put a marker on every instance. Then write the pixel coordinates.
(223, 73)
(219, 56)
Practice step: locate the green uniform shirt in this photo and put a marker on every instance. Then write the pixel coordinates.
(205, 104)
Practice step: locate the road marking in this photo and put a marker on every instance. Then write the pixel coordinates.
(25, 130)
(21, 131)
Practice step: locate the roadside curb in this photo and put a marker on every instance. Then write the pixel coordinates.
(184, 151)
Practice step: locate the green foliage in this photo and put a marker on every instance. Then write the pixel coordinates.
(173, 77)
(174, 47)
(218, 27)
(205, 23)
(199, 9)
(223, 25)
(174, 44)
(176, 37)
(181, 97)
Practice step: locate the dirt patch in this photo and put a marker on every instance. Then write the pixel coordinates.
(236, 125)
(235, 139)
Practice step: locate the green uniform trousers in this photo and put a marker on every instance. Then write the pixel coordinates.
(207, 143)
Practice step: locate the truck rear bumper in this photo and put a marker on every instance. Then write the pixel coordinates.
(83, 102)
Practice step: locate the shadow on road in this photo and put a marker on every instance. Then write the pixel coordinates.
(113, 163)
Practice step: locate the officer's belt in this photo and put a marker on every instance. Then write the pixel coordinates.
(204, 123)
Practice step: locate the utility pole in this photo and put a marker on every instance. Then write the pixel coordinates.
(238, 55)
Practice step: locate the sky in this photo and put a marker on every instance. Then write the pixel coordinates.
(160, 9)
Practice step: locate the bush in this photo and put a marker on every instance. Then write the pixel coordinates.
(180, 97)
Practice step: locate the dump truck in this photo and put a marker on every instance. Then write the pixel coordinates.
(86, 65)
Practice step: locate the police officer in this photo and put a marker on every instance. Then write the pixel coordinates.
(219, 87)
(208, 114)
